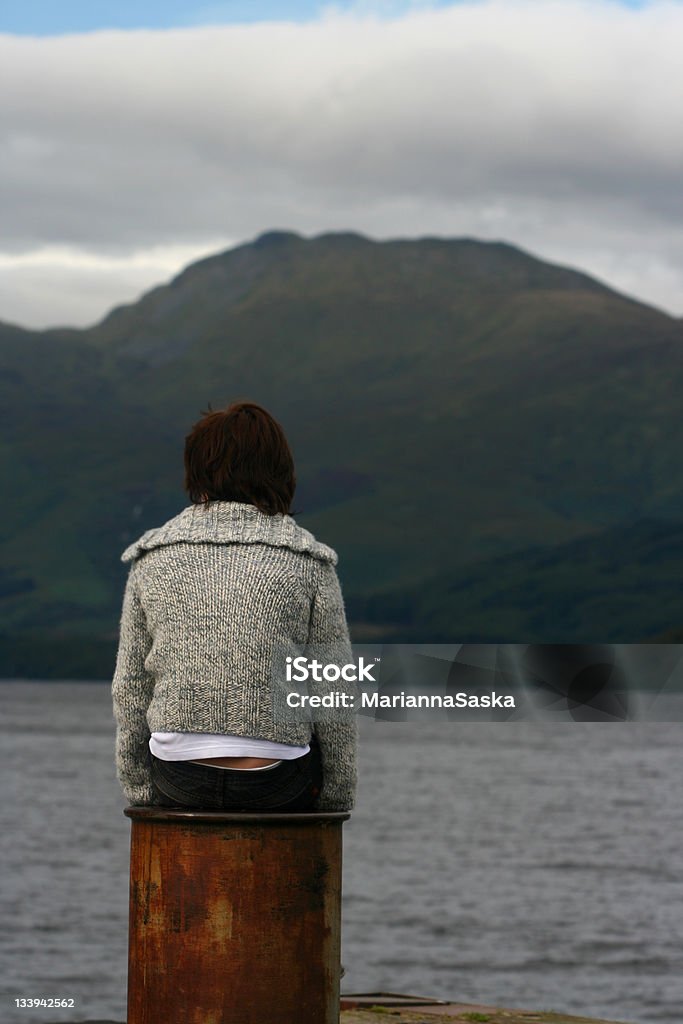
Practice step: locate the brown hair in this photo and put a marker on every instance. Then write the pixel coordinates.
(240, 454)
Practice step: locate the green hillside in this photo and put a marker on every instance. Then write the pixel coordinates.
(450, 403)
(621, 583)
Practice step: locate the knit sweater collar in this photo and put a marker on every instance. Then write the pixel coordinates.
(230, 522)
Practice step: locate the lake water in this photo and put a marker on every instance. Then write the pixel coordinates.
(520, 864)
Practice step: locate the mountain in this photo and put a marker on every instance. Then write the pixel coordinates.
(620, 583)
(450, 403)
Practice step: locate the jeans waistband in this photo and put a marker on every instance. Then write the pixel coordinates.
(227, 768)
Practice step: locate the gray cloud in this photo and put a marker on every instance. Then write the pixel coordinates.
(552, 126)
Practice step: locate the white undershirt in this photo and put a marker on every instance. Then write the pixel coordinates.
(186, 746)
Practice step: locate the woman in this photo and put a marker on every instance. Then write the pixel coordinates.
(212, 597)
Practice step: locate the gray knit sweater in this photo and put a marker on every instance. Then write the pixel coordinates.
(208, 595)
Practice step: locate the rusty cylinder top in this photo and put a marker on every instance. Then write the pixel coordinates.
(157, 813)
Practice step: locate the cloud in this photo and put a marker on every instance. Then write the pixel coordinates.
(553, 126)
(64, 286)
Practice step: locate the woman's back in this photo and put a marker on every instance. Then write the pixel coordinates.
(216, 599)
(220, 602)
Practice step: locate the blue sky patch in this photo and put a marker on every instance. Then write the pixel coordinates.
(47, 17)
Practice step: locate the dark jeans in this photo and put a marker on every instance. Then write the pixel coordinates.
(288, 786)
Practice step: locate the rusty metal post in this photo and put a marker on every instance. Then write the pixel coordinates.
(234, 918)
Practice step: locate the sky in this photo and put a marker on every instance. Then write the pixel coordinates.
(138, 137)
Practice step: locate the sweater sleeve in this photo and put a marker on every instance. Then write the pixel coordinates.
(132, 690)
(336, 732)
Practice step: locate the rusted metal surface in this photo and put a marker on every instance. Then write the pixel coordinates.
(234, 918)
